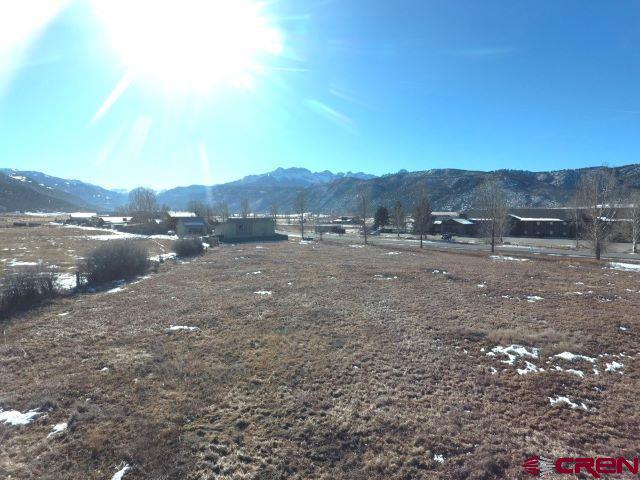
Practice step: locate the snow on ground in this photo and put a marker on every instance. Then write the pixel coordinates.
(438, 457)
(63, 314)
(356, 246)
(392, 253)
(533, 298)
(115, 290)
(529, 367)
(176, 328)
(513, 352)
(120, 473)
(613, 367)
(15, 418)
(263, 292)
(66, 281)
(162, 257)
(58, 429)
(508, 259)
(579, 373)
(625, 267)
(561, 399)
(386, 277)
(257, 272)
(18, 263)
(571, 357)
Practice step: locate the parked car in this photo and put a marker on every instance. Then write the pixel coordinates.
(447, 237)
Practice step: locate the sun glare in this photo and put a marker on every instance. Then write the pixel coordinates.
(191, 45)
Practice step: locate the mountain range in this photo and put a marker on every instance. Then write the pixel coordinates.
(448, 189)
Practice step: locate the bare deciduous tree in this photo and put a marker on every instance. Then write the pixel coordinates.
(421, 216)
(300, 205)
(223, 210)
(363, 207)
(142, 203)
(245, 208)
(576, 216)
(399, 218)
(599, 196)
(197, 207)
(273, 210)
(491, 200)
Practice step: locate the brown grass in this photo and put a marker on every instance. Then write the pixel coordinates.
(337, 374)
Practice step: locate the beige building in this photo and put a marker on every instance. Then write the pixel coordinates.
(247, 229)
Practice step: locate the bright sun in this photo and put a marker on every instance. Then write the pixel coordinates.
(191, 45)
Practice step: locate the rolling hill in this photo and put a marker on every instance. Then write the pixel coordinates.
(93, 196)
(18, 193)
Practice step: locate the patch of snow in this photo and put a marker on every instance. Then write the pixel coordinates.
(15, 418)
(257, 272)
(625, 267)
(561, 399)
(533, 298)
(115, 290)
(493, 371)
(513, 352)
(572, 357)
(120, 473)
(356, 246)
(17, 263)
(263, 292)
(175, 328)
(392, 253)
(624, 329)
(63, 314)
(104, 369)
(481, 285)
(66, 281)
(58, 429)
(529, 367)
(438, 458)
(510, 259)
(613, 367)
(162, 257)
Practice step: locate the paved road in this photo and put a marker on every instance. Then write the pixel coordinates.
(391, 240)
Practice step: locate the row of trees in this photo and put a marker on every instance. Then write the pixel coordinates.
(421, 215)
(594, 206)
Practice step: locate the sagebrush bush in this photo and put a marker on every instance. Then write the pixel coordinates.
(116, 260)
(186, 247)
(26, 288)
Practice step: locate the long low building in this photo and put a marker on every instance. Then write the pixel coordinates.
(247, 230)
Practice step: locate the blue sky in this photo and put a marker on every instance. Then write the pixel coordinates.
(359, 85)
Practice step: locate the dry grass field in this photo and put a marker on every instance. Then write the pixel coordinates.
(58, 247)
(325, 361)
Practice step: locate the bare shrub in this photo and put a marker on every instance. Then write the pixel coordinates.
(25, 289)
(187, 247)
(116, 260)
